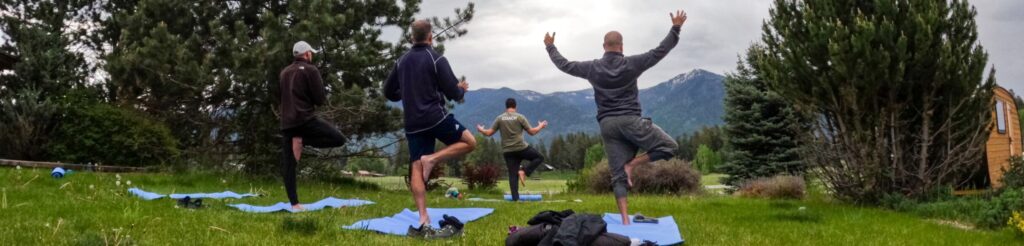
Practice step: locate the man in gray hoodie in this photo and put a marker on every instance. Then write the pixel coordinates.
(623, 131)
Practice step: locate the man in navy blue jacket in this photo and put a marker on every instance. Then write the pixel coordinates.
(423, 80)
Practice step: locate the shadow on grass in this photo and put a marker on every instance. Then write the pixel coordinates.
(792, 211)
(347, 182)
(783, 205)
(802, 216)
(306, 226)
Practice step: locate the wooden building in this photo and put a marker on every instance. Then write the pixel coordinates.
(1005, 138)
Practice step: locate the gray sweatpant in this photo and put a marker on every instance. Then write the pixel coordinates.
(623, 136)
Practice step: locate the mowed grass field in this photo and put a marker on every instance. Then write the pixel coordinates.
(92, 209)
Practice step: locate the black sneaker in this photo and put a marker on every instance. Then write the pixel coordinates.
(198, 203)
(447, 231)
(639, 218)
(452, 221)
(420, 232)
(185, 202)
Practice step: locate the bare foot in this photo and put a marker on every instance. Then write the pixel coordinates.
(298, 207)
(629, 174)
(428, 162)
(522, 178)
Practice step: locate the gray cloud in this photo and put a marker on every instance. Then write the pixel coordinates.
(503, 47)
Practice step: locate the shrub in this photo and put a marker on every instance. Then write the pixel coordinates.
(26, 123)
(112, 135)
(1017, 223)
(671, 176)
(595, 154)
(1013, 177)
(481, 176)
(983, 211)
(777, 187)
(1001, 207)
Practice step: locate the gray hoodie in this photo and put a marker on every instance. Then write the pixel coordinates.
(614, 75)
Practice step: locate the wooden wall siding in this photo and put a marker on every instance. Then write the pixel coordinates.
(1001, 146)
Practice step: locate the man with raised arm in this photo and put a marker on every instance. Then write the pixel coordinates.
(623, 131)
(423, 80)
(514, 148)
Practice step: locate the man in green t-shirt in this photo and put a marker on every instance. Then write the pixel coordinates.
(515, 149)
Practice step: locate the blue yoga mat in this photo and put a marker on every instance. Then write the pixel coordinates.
(326, 202)
(665, 232)
(399, 223)
(529, 198)
(145, 195)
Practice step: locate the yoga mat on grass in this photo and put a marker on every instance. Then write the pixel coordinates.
(399, 223)
(326, 202)
(145, 195)
(665, 232)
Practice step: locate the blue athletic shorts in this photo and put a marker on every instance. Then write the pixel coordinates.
(449, 131)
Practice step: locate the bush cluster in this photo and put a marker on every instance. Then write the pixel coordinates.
(663, 177)
(481, 176)
(777, 187)
(110, 135)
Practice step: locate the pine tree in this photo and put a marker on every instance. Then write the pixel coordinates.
(762, 129)
(37, 36)
(46, 73)
(896, 89)
(210, 68)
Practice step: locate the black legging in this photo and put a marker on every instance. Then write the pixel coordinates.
(316, 133)
(512, 160)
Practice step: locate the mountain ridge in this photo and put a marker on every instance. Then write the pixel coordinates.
(679, 105)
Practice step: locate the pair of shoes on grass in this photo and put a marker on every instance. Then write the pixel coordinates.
(450, 226)
(640, 218)
(188, 202)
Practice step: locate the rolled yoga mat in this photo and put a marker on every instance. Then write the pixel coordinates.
(529, 198)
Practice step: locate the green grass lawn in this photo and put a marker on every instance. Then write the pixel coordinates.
(91, 209)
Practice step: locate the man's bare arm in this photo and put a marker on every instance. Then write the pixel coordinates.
(540, 126)
(484, 131)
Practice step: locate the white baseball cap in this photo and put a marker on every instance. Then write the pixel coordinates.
(301, 47)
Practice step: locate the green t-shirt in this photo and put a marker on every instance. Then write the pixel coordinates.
(511, 126)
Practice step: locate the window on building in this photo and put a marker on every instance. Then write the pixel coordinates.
(1000, 117)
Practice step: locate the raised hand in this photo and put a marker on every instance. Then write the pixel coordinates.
(679, 18)
(549, 38)
(464, 85)
(542, 124)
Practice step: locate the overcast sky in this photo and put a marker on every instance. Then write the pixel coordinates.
(504, 45)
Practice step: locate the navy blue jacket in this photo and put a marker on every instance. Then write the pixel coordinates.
(423, 80)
